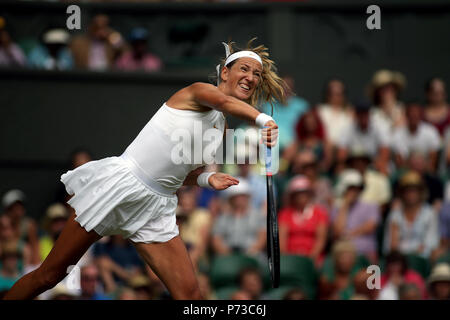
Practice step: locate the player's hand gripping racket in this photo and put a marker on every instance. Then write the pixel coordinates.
(273, 244)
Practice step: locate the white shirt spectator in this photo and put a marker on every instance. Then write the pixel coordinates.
(425, 139)
(370, 141)
(335, 121)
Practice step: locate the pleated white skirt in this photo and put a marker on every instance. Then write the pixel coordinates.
(110, 199)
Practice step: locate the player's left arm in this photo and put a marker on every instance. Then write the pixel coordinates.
(218, 181)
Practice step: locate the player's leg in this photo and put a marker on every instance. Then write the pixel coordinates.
(171, 263)
(72, 243)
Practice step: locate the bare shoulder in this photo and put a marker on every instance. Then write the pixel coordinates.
(184, 98)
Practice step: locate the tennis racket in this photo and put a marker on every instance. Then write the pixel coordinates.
(273, 244)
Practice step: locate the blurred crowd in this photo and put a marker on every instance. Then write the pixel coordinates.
(100, 48)
(360, 183)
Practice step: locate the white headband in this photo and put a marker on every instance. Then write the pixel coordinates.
(234, 56)
(241, 54)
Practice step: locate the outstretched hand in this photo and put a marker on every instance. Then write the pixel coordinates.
(270, 134)
(221, 181)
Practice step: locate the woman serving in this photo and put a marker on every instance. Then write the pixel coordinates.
(134, 194)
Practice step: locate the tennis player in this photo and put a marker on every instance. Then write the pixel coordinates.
(134, 194)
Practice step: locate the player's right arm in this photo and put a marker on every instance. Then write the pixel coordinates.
(208, 95)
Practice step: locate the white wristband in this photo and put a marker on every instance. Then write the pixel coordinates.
(262, 119)
(202, 179)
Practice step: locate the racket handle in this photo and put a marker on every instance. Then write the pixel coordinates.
(268, 159)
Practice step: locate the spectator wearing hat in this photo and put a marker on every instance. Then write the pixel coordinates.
(417, 162)
(384, 89)
(439, 282)
(303, 224)
(194, 224)
(25, 228)
(287, 115)
(141, 286)
(99, 48)
(335, 111)
(338, 284)
(412, 227)
(11, 55)
(397, 273)
(437, 109)
(61, 292)
(306, 163)
(416, 136)
(353, 219)
(365, 135)
(53, 52)
(138, 58)
(9, 266)
(54, 222)
(242, 228)
(377, 187)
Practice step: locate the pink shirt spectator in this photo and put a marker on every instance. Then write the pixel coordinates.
(148, 62)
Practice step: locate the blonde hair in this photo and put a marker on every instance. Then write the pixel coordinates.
(272, 87)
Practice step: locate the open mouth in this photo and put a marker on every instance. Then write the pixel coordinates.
(244, 87)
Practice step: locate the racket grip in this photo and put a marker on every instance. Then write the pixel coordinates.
(268, 158)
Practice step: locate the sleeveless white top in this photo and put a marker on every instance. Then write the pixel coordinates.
(173, 142)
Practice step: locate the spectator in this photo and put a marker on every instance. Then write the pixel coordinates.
(377, 188)
(303, 224)
(361, 289)
(439, 282)
(418, 162)
(127, 294)
(138, 57)
(250, 282)
(89, 282)
(339, 284)
(306, 163)
(205, 287)
(141, 286)
(117, 261)
(311, 135)
(99, 48)
(11, 55)
(412, 227)
(55, 219)
(9, 267)
(335, 112)
(52, 53)
(194, 224)
(363, 134)
(352, 218)
(409, 292)
(397, 273)
(7, 236)
(243, 229)
(444, 232)
(384, 90)
(25, 228)
(437, 109)
(60, 292)
(240, 295)
(287, 115)
(295, 294)
(416, 136)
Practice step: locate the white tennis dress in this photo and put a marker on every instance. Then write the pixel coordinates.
(134, 194)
